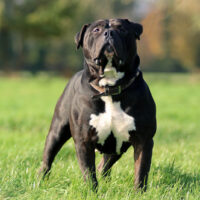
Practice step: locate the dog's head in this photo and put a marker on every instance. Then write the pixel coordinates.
(109, 48)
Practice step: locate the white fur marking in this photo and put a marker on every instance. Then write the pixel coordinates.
(111, 75)
(114, 119)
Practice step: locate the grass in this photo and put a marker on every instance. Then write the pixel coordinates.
(26, 108)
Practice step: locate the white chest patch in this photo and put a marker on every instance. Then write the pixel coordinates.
(113, 120)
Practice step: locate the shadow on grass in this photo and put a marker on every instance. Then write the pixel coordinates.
(172, 175)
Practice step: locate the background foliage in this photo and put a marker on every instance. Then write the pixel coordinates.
(39, 35)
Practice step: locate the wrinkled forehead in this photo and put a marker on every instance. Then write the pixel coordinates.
(108, 22)
(116, 21)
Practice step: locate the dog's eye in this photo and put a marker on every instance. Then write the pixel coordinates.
(96, 30)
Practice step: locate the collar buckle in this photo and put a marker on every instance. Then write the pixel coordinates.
(113, 90)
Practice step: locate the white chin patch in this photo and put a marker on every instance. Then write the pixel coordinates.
(111, 75)
(111, 81)
(114, 120)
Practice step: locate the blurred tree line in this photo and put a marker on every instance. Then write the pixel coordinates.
(171, 39)
(39, 35)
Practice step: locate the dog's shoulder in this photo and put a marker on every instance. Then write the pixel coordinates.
(142, 90)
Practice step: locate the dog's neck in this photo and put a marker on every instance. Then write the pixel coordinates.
(113, 90)
(120, 86)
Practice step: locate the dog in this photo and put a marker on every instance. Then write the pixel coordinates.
(107, 106)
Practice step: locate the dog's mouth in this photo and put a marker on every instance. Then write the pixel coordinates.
(110, 64)
(108, 54)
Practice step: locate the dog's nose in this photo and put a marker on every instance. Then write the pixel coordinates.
(108, 33)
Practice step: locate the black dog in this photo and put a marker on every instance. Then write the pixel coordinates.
(106, 106)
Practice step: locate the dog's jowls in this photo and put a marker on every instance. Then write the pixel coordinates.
(106, 106)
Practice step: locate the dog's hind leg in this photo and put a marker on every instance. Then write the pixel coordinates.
(58, 134)
(107, 162)
(54, 142)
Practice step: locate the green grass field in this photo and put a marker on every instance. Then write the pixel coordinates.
(26, 108)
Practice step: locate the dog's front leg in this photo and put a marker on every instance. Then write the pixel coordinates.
(86, 157)
(142, 157)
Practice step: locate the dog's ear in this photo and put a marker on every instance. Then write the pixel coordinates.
(137, 28)
(80, 35)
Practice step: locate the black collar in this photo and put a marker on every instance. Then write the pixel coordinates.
(113, 90)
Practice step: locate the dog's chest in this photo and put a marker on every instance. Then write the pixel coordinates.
(113, 120)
